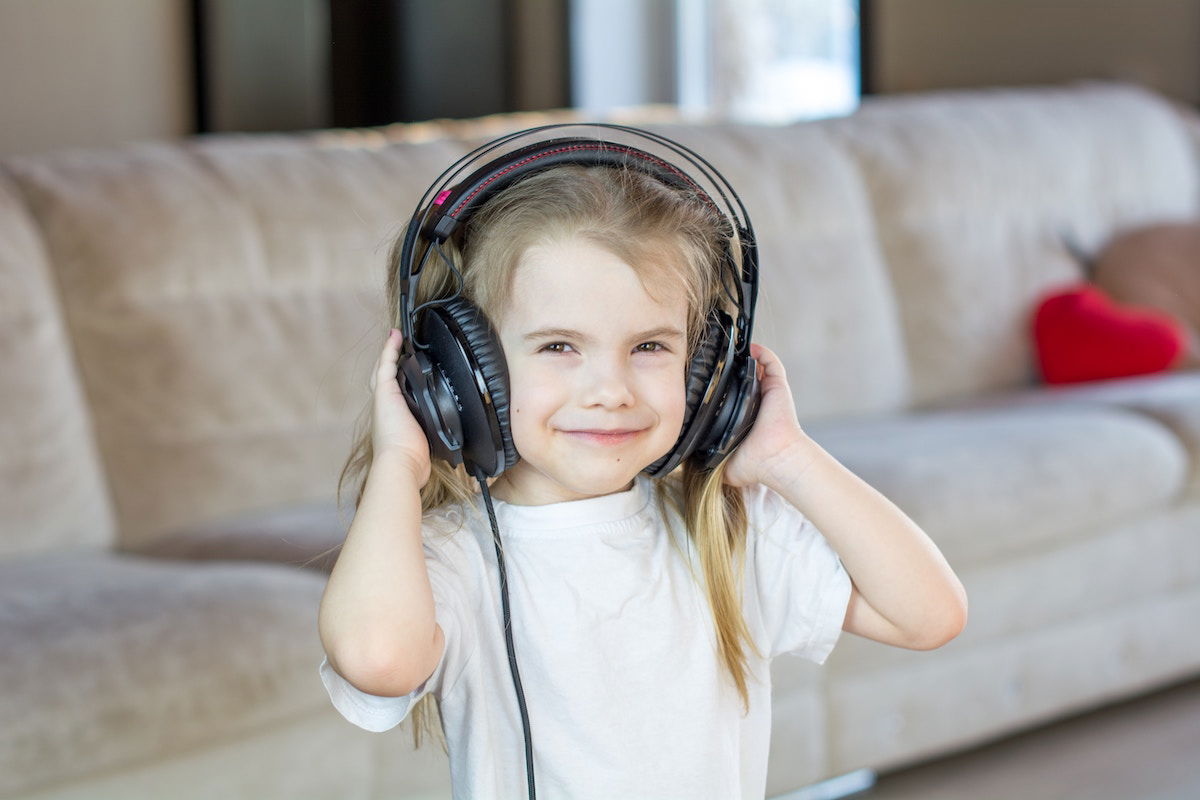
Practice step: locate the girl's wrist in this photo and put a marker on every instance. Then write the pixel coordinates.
(788, 466)
(399, 463)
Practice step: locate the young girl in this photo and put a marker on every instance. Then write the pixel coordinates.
(644, 612)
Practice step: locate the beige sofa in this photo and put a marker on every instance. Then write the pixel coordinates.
(186, 331)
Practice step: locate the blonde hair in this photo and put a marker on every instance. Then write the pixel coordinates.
(664, 234)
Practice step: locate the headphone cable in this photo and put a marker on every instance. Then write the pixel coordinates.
(512, 656)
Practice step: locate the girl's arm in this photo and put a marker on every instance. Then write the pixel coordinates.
(904, 593)
(376, 620)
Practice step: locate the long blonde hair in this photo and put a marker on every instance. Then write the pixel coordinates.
(665, 235)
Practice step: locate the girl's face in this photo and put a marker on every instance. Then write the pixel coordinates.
(596, 373)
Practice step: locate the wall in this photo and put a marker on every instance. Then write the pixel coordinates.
(82, 72)
(935, 44)
(95, 72)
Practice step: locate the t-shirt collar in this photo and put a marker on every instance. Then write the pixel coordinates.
(601, 510)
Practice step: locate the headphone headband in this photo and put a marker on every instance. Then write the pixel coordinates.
(460, 201)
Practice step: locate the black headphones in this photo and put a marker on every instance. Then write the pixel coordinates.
(452, 369)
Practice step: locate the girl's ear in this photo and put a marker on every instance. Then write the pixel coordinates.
(442, 384)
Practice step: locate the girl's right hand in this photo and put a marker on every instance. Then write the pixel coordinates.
(394, 430)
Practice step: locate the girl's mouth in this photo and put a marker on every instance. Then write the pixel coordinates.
(604, 437)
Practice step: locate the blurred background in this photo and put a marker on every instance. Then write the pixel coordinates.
(126, 430)
(82, 73)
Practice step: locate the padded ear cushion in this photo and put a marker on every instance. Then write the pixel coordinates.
(699, 375)
(476, 332)
(700, 370)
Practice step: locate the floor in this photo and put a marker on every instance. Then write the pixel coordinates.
(1143, 749)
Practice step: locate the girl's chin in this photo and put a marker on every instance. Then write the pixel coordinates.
(538, 488)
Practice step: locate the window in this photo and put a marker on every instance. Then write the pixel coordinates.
(769, 61)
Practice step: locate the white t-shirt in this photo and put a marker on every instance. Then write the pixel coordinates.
(614, 640)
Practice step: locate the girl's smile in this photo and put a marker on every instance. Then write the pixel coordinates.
(596, 372)
(604, 438)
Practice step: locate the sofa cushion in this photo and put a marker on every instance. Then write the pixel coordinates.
(825, 300)
(226, 300)
(999, 481)
(54, 494)
(1172, 400)
(979, 195)
(1157, 267)
(114, 659)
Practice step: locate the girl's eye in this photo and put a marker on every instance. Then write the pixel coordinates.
(556, 347)
(650, 347)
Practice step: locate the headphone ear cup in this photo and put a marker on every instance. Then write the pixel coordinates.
(734, 416)
(696, 385)
(463, 345)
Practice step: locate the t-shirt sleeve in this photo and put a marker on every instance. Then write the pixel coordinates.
(377, 713)
(803, 589)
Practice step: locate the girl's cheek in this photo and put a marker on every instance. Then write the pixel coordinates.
(668, 391)
(526, 385)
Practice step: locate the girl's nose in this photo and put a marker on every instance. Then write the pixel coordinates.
(607, 384)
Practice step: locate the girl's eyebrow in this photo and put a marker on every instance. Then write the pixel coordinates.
(553, 333)
(662, 332)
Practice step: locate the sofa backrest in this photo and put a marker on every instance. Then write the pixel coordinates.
(224, 296)
(54, 495)
(974, 194)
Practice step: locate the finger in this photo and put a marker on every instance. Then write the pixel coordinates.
(766, 356)
(392, 343)
(770, 367)
(391, 349)
(762, 354)
(756, 352)
(385, 368)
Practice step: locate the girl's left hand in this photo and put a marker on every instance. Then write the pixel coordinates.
(776, 430)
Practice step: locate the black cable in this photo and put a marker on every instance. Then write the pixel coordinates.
(437, 301)
(512, 656)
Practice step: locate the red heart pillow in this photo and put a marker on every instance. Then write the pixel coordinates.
(1082, 335)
